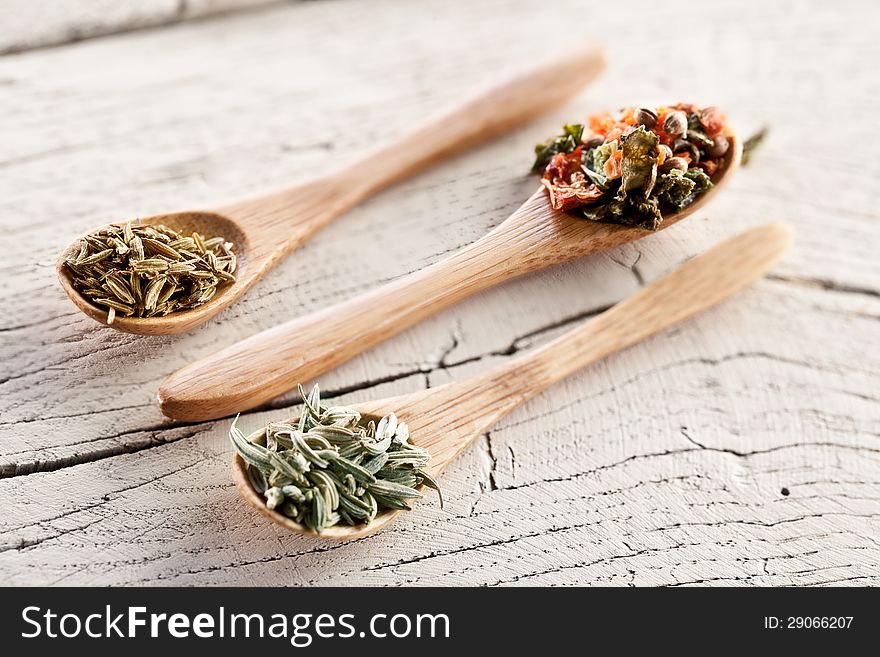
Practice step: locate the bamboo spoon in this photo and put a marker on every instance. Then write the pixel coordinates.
(446, 419)
(267, 364)
(266, 228)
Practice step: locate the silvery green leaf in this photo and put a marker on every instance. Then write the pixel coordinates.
(402, 434)
(374, 506)
(304, 448)
(376, 463)
(429, 481)
(361, 475)
(379, 447)
(317, 442)
(337, 470)
(326, 486)
(257, 479)
(347, 500)
(319, 513)
(293, 492)
(334, 434)
(402, 477)
(285, 466)
(332, 518)
(392, 503)
(280, 435)
(274, 497)
(390, 489)
(352, 451)
(313, 401)
(277, 478)
(406, 460)
(252, 454)
(387, 427)
(340, 416)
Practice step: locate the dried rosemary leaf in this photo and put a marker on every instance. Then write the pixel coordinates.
(332, 467)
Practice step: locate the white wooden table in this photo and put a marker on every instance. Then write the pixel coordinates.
(739, 448)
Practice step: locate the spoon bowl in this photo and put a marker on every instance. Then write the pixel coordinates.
(534, 237)
(207, 224)
(265, 229)
(446, 419)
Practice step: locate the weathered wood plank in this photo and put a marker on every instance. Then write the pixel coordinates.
(663, 465)
(600, 480)
(40, 23)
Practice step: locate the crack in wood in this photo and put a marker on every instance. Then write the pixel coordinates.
(826, 285)
(155, 431)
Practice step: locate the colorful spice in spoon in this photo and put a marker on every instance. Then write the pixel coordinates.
(331, 467)
(148, 270)
(633, 167)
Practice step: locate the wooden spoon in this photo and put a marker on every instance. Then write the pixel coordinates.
(267, 364)
(446, 419)
(267, 228)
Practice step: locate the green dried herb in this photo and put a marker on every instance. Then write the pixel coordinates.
(696, 134)
(602, 153)
(674, 189)
(752, 143)
(332, 467)
(631, 211)
(702, 182)
(148, 270)
(639, 162)
(569, 140)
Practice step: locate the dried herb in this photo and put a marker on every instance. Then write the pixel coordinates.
(149, 270)
(639, 163)
(565, 143)
(632, 167)
(752, 143)
(332, 467)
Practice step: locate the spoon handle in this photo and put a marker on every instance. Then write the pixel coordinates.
(290, 215)
(259, 368)
(691, 288)
(486, 115)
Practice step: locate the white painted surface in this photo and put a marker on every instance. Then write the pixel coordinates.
(662, 465)
(31, 24)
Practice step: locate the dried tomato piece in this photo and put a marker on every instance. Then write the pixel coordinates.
(712, 120)
(709, 166)
(612, 165)
(568, 196)
(563, 165)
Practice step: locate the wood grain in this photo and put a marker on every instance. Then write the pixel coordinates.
(265, 365)
(43, 23)
(267, 227)
(445, 420)
(663, 465)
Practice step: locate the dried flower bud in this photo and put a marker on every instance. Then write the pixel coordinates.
(719, 146)
(674, 163)
(675, 123)
(646, 117)
(593, 142)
